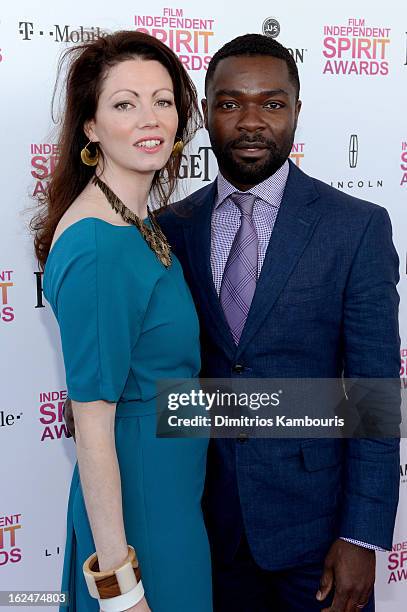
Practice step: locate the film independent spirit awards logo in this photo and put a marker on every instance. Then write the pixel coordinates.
(271, 28)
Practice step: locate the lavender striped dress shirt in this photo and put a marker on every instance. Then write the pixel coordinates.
(226, 221)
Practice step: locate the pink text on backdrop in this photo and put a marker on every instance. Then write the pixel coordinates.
(9, 530)
(188, 37)
(44, 158)
(51, 411)
(356, 48)
(6, 310)
(403, 163)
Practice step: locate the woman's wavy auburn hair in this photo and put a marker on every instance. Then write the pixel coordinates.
(89, 64)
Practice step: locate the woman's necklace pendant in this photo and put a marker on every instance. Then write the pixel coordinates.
(153, 236)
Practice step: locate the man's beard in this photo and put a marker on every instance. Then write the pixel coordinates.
(251, 172)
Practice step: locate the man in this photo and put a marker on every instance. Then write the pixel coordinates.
(291, 278)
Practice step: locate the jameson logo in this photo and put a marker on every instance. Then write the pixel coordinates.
(271, 28)
(60, 33)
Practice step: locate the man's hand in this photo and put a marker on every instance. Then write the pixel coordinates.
(350, 570)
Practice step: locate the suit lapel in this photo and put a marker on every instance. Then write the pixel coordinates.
(296, 221)
(198, 243)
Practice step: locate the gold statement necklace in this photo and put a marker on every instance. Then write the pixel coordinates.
(152, 235)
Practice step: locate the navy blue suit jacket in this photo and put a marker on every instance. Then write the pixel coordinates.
(325, 303)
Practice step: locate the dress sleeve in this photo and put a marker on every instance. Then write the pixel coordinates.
(99, 322)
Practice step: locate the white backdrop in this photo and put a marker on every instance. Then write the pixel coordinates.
(352, 133)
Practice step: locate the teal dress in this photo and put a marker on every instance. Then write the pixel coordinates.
(126, 321)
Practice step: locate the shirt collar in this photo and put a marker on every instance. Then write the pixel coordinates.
(270, 190)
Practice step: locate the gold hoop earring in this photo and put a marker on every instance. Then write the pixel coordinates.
(87, 158)
(178, 148)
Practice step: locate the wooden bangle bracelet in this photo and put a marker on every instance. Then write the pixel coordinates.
(118, 581)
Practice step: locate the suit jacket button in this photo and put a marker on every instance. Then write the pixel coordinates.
(238, 368)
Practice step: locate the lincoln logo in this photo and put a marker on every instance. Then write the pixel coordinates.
(353, 151)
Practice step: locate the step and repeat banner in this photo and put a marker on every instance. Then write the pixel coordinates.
(352, 134)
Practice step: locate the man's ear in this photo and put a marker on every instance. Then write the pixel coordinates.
(298, 108)
(89, 129)
(297, 111)
(204, 104)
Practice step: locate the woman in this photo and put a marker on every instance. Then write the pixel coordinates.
(126, 320)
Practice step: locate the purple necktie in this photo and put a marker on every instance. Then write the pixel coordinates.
(240, 275)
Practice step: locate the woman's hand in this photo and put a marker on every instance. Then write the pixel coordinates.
(142, 606)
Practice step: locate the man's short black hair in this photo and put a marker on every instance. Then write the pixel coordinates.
(251, 45)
